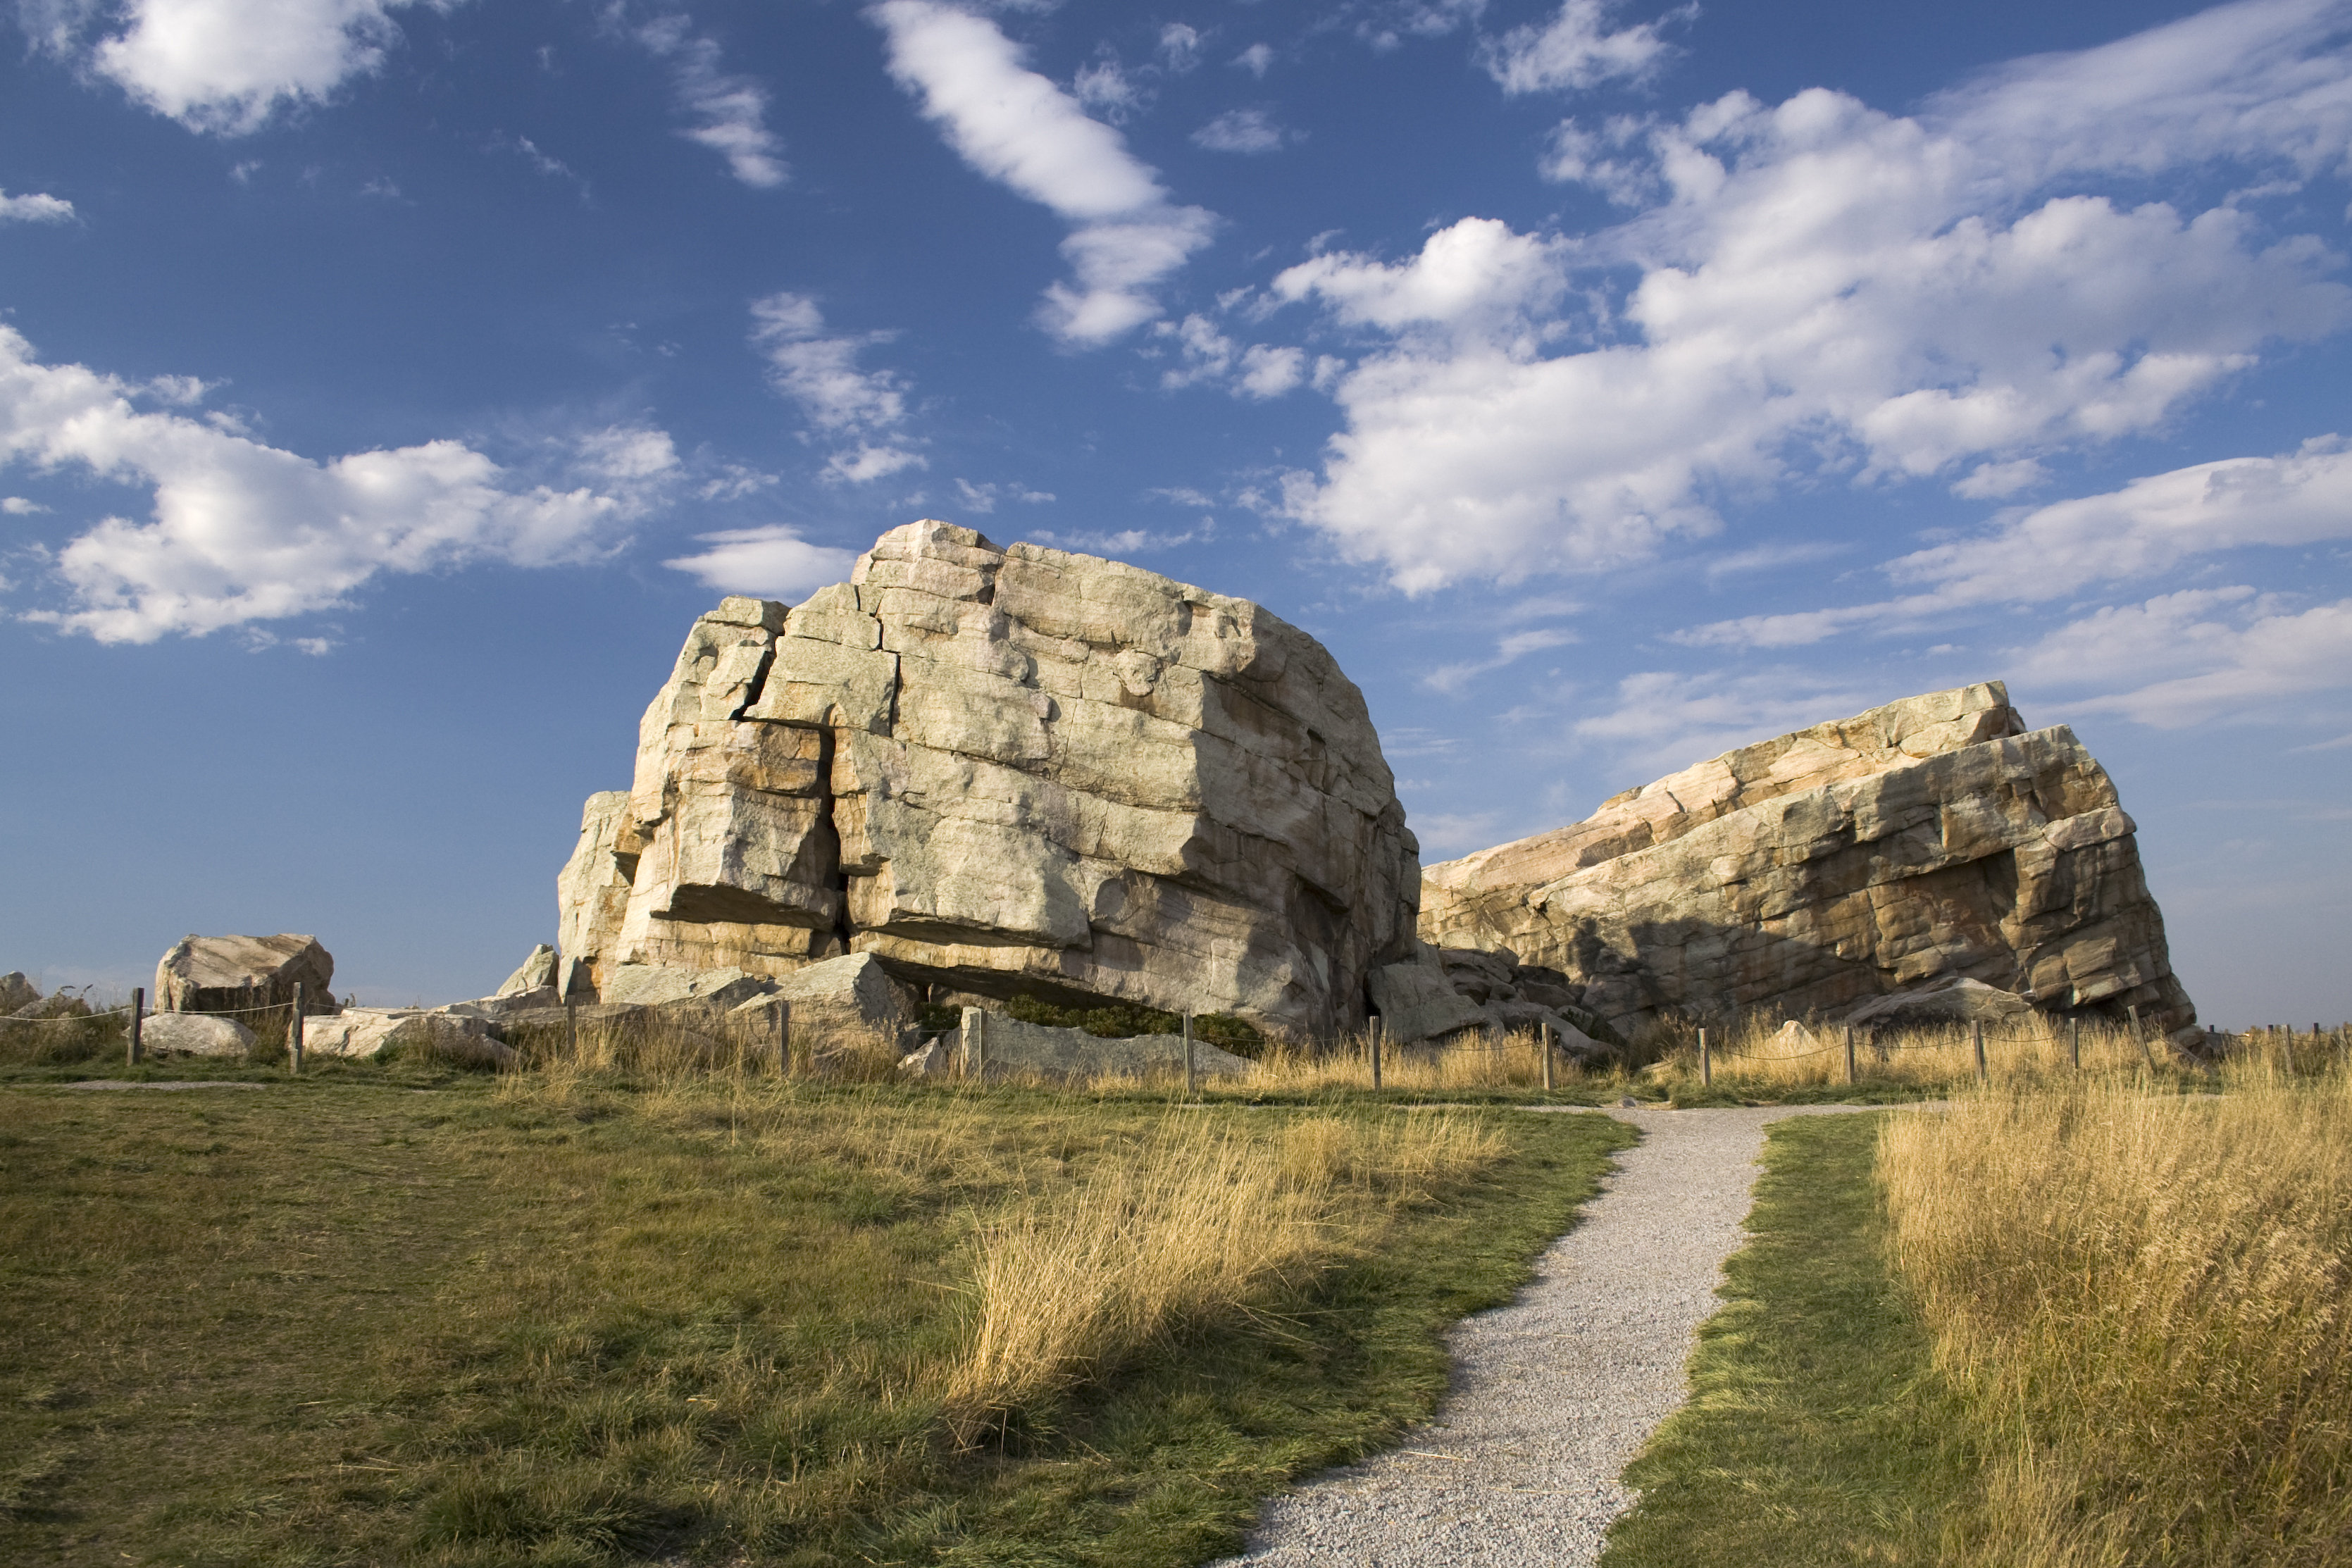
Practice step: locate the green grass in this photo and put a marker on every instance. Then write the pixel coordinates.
(1817, 1432)
(375, 1316)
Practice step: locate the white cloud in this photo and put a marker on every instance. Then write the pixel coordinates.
(1510, 649)
(245, 532)
(2150, 526)
(772, 562)
(871, 461)
(1576, 49)
(1662, 721)
(1260, 371)
(1256, 59)
(17, 506)
(1475, 275)
(983, 498)
(1019, 129)
(1180, 46)
(729, 111)
(818, 370)
(1994, 482)
(225, 66)
(1241, 130)
(1827, 291)
(2215, 652)
(35, 209)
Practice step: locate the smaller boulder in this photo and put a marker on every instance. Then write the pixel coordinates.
(1951, 1000)
(536, 973)
(844, 995)
(1417, 1001)
(375, 1031)
(1014, 1046)
(195, 1034)
(930, 1060)
(17, 992)
(226, 973)
(60, 1004)
(655, 986)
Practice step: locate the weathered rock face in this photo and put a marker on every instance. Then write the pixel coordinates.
(1007, 770)
(222, 974)
(1931, 838)
(192, 1034)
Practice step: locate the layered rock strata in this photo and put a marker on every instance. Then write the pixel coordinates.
(1006, 770)
(1935, 837)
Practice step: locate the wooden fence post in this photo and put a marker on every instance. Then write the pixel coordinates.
(294, 1030)
(138, 1009)
(1190, 1077)
(1706, 1061)
(572, 1029)
(1543, 1043)
(2139, 1037)
(1375, 1053)
(784, 1037)
(1975, 1036)
(2074, 1041)
(1849, 1054)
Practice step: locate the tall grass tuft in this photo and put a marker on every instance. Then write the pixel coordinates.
(1198, 1225)
(2145, 1303)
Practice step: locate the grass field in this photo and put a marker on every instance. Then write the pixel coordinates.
(409, 1315)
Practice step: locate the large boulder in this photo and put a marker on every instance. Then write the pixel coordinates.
(1935, 839)
(1006, 771)
(195, 1034)
(437, 1034)
(229, 973)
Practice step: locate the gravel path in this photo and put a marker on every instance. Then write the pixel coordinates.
(1556, 1392)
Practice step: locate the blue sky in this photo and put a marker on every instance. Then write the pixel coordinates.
(383, 387)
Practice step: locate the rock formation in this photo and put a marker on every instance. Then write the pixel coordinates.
(1006, 770)
(1931, 838)
(227, 973)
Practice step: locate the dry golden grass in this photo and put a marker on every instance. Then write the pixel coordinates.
(1483, 1061)
(2142, 1298)
(1763, 1051)
(1199, 1224)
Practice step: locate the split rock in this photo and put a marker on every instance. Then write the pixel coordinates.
(16, 992)
(1014, 1046)
(1931, 838)
(537, 972)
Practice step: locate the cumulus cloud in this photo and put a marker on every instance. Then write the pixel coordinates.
(983, 498)
(2212, 652)
(1578, 49)
(2037, 556)
(1019, 129)
(818, 370)
(1208, 357)
(1241, 130)
(36, 208)
(243, 533)
(727, 113)
(772, 562)
(1821, 290)
(225, 66)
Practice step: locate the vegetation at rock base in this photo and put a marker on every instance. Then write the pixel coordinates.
(601, 1315)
